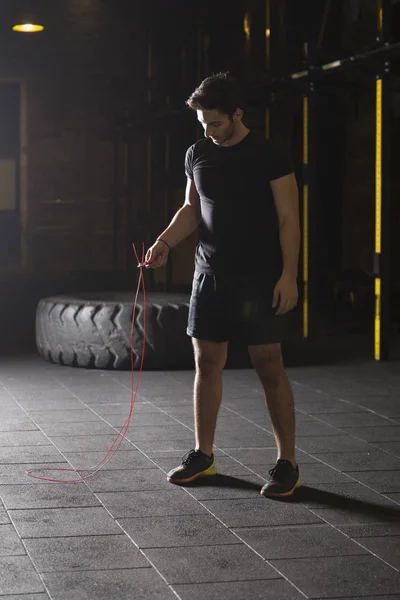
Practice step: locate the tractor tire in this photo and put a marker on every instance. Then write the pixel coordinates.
(93, 331)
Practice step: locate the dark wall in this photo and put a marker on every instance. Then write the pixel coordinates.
(77, 77)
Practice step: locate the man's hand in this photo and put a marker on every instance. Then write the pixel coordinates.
(285, 295)
(157, 255)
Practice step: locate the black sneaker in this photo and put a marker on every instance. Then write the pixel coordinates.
(283, 481)
(194, 464)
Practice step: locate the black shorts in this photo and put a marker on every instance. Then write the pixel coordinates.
(223, 309)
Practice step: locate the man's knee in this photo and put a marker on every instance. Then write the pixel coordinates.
(267, 361)
(210, 357)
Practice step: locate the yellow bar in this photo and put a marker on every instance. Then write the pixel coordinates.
(377, 342)
(378, 215)
(378, 166)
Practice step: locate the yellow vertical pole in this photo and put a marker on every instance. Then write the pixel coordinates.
(378, 216)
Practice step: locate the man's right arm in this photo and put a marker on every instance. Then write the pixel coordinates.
(185, 221)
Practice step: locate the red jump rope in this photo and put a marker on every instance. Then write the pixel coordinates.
(122, 432)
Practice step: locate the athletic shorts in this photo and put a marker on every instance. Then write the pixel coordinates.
(233, 308)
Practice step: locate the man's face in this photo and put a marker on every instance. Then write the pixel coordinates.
(217, 126)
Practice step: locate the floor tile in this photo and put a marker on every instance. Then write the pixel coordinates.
(43, 495)
(4, 520)
(82, 443)
(259, 512)
(387, 548)
(11, 424)
(124, 584)
(169, 532)
(85, 553)
(390, 447)
(122, 459)
(327, 444)
(346, 504)
(385, 482)
(29, 454)
(15, 474)
(158, 433)
(365, 419)
(306, 541)
(50, 404)
(213, 564)
(259, 439)
(57, 522)
(128, 480)
(335, 577)
(150, 503)
(371, 530)
(152, 449)
(23, 438)
(263, 456)
(276, 589)
(18, 576)
(55, 429)
(81, 415)
(360, 461)
(10, 543)
(390, 433)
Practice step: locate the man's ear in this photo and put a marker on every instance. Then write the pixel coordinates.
(238, 115)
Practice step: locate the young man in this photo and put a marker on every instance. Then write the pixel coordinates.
(242, 196)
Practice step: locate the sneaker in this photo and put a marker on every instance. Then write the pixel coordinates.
(283, 481)
(194, 464)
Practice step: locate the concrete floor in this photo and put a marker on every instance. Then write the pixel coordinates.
(127, 533)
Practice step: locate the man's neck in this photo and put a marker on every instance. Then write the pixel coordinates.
(241, 132)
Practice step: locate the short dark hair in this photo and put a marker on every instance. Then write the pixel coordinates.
(220, 92)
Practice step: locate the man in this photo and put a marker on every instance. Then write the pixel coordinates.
(242, 196)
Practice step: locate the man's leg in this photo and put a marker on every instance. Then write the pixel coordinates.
(268, 363)
(210, 359)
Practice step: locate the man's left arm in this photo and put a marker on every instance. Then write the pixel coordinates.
(286, 199)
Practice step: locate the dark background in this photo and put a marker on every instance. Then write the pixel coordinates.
(92, 109)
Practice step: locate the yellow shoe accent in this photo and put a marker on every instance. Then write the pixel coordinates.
(207, 473)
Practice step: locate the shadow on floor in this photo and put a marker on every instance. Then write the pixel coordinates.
(329, 500)
(225, 481)
(306, 494)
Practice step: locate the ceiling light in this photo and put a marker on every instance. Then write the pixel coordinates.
(28, 28)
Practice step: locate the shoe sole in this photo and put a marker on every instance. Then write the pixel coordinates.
(283, 494)
(208, 472)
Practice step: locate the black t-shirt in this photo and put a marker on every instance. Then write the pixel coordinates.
(238, 233)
